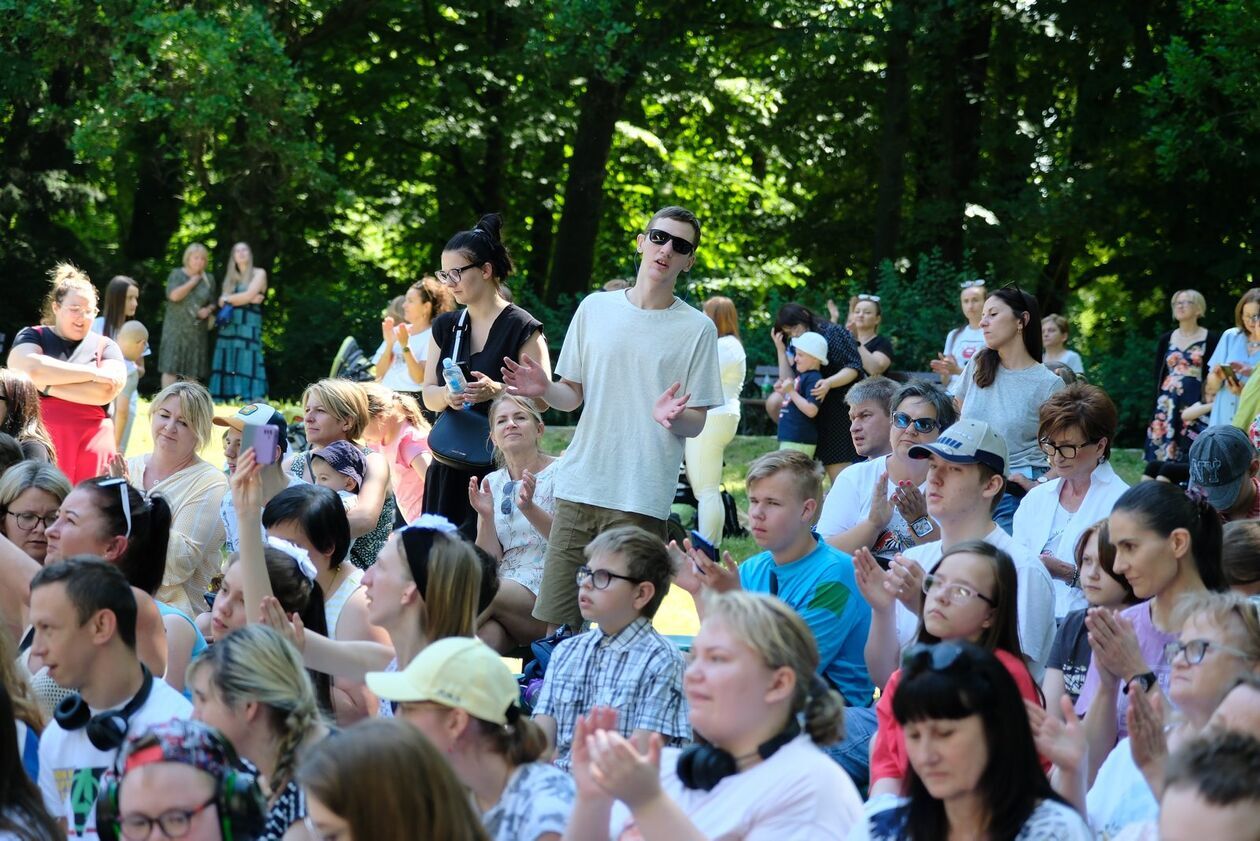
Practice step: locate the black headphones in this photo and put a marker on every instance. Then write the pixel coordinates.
(703, 766)
(108, 730)
(238, 799)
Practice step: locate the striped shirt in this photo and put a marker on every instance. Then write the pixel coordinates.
(635, 671)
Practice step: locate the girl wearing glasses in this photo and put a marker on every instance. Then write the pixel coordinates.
(78, 374)
(1218, 645)
(972, 769)
(475, 264)
(1076, 428)
(865, 315)
(969, 596)
(1233, 361)
(514, 506)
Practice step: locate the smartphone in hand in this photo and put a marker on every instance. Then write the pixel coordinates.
(698, 541)
(263, 439)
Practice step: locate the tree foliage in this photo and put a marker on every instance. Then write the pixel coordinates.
(1101, 154)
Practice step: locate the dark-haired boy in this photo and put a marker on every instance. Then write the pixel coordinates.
(623, 663)
(643, 364)
(84, 616)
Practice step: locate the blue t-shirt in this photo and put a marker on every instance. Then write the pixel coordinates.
(821, 587)
(199, 642)
(794, 425)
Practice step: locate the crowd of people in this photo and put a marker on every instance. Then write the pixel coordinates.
(960, 622)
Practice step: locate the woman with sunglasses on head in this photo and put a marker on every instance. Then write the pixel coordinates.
(969, 596)
(843, 368)
(476, 339)
(22, 417)
(1076, 428)
(963, 342)
(865, 315)
(972, 769)
(78, 374)
(760, 714)
(891, 516)
(514, 506)
(1003, 385)
(1168, 545)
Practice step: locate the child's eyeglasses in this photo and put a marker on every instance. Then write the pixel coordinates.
(600, 578)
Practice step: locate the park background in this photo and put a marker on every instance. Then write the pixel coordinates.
(1099, 154)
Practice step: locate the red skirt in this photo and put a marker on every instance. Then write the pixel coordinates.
(83, 437)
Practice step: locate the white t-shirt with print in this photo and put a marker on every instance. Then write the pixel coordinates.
(537, 800)
(962, 343)
(625, 358)
(1035, 601)
(849, 501)
(70, 767)
(799, 792)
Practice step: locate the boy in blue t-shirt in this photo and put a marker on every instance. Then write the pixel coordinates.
(796, 419)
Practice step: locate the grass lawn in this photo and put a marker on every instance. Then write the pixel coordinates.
(677, 614)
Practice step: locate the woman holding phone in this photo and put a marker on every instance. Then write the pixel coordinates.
(1236, 356)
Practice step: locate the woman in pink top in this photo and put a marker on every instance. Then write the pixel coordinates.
(399, 430)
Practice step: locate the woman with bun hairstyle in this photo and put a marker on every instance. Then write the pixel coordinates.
(753, 773)
(462, 697)
(475, 264)
(78, 374)
(1168, 545)
(384, 781)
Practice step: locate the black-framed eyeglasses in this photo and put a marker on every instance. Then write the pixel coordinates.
(509, 491)
(682, 245)
(600, 578)
(1196, 650)
(921, 425)
(174, 823)
(938, 657)
(955, 592)
(450, 278)
(1062, 450)
(27, 520)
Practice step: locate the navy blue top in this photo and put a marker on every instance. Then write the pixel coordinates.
(794, 426)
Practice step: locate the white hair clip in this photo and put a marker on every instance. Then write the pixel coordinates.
(297, 553)
(434, 522)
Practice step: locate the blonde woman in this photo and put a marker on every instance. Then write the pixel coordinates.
(30, 494)
(703, 453)
(180, 422)
(401, 434)
(185, 349)
(78, 374)
(384, 781)
(753, 772)
(238, 373)
(514, 506)
(337, 410)
(252, 686)
(1180, 371)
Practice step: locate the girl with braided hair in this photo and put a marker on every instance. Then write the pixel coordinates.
(252, 686)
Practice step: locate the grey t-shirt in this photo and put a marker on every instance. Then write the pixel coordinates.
(1011, 405)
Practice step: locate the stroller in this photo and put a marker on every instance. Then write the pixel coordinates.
(351, 363)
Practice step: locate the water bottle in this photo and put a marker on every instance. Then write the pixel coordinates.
(454, 381)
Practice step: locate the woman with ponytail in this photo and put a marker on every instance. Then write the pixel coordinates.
(252, 686)
(462, 697)
(753, 772)
(399, 430)
(474, 265)
(1167, 545)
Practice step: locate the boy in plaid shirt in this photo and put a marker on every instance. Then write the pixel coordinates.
(624, 664)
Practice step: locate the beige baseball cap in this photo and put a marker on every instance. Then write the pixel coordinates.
(460, 672)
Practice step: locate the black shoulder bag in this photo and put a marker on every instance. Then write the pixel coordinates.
(461, 437)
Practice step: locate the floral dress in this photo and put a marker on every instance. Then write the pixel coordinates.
(1167, 438)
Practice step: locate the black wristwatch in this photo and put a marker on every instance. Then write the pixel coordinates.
(922, 527)
(1147, 680)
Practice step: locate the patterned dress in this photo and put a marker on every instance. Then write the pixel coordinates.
(238, 372)
(1168, 438)
(185, 346)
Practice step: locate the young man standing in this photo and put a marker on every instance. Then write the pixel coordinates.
(84, 616)
(964, 480)
(644, 365)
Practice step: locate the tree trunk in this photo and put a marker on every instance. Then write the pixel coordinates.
(599, 108)
(895, 134)
(156, 203)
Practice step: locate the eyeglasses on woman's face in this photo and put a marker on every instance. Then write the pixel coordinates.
(960, 593)
(921, 425)
(1196, 650)
(1062, 450)
(174, 823)
(600, 578)
(28, 520)
(451, 277)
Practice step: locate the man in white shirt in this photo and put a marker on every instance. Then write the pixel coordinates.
(84, 616)
(965, 481)
(645, 366)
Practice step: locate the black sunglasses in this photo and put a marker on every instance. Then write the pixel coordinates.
(658, 237)
(923, 425)
(938, 657)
